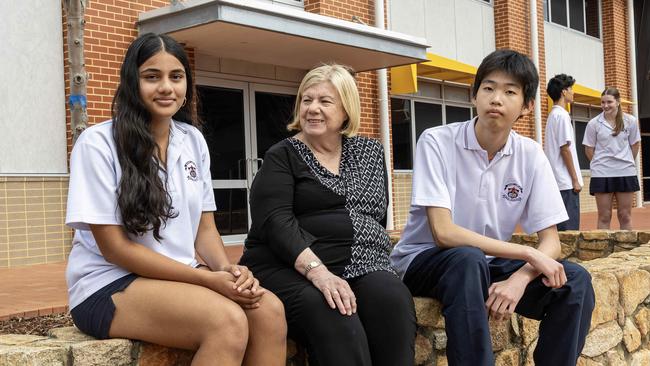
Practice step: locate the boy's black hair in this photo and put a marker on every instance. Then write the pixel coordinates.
(557, 84)
(513, 63)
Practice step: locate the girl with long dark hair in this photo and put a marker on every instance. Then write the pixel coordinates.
(611, 144)
(141, 201)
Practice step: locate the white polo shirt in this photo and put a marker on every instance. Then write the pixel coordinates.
(452, 170)
(612, 154)
(559, 132)
(92, 199)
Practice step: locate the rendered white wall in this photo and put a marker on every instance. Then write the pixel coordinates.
(462, 30)
(575, 54)
(32, 90)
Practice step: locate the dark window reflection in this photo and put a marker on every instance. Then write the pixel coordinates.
(580, 148)
(558, 12)
(273, 113)
(576, 15)
(401, 133)
(222, 112)
(427, 115)
(458, 114)
(231, 216)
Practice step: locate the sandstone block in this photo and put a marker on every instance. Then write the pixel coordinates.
(640, 358)
(514, 324)
(529, 354)
(642, 320)
(508, 357)
(441, 360)
(529, 330)
(569, 237)
(500, 334)
(631, 336)
(587, 255)
(606, 290)
(516, 238)
(595, 235)
(155, 355)
(594, 245)
(615, 357)
(584, 361)
(19, 339)
(643, 237)
(532, 238)
(439, 339)
(423, 350)
(70, 334)
(428, 311)
(602, 338)
(626, 236)
(566, 250)
(115, 352)
(634, 287)
(33, 356)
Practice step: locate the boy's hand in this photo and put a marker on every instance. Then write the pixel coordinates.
(552, 270)
(504, 297)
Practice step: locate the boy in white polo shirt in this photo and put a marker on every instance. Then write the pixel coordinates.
(472, 183)
(560, 148)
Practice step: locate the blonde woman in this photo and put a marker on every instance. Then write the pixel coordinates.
(611, 144)
(317, 240)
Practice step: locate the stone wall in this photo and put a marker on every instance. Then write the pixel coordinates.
(619, 332)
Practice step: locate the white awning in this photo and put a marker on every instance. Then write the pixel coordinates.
(261, 32)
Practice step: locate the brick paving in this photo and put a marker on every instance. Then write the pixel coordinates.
(40, 289)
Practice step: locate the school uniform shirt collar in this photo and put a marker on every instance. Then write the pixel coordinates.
(471, 142)
(603, 121)
(177, 135)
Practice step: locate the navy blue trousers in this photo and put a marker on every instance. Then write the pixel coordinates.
(460, 279)
(571, 201)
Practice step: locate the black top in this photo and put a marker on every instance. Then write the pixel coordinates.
(296, 203)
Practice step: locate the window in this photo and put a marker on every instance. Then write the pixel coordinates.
(581, 115)
(580, 15)
(433, 105)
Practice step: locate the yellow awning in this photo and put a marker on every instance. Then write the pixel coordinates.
(404, 78)
(583, 94)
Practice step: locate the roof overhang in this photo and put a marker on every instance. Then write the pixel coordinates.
(404, 78)
(280, 35)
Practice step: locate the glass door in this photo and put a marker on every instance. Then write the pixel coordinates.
(240, 122)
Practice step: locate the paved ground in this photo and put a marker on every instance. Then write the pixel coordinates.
(41, 289)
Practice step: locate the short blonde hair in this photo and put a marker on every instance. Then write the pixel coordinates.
(341, 78)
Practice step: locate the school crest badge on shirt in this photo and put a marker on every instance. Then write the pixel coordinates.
(192, 171)
(512, 192)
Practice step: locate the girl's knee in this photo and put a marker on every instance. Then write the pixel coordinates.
(269, 318)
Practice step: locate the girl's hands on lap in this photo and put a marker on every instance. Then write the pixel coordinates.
(337, 291)
(225, 283)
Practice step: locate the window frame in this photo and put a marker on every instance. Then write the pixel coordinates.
(593, 111)
(442, 102)
(548, 18)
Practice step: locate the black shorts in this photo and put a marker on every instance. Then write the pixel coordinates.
(613, 184)
(95, 314)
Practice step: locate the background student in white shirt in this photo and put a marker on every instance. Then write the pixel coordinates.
(472, 183)
(560, 148)
(611, 144)
(141, 201)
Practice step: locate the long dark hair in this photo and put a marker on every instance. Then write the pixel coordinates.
(143, 200)
(619, 111)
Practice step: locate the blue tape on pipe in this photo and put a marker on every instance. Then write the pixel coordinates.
(77, 99)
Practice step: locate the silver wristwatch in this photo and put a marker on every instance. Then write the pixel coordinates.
(311, 265)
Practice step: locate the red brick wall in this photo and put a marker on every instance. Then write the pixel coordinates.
(366, 81)
(511, 30)
(615, 45)
(110, 28)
